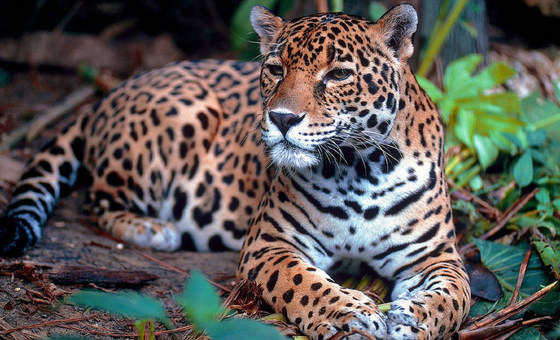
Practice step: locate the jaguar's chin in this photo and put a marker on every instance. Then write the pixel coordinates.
(287, 155)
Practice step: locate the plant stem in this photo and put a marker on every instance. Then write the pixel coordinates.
(547, 122)
(439, 38)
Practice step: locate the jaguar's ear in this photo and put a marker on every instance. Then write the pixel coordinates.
(398, 26)
(266, 24)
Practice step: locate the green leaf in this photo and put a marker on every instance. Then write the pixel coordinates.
(495, 74)
(430, 88)
(131, 305)
(376, 10)
(241, 29)
(536, 138)
(484, 307)
(526, 333)
(200, 300)
(4, 77)
(549, 255)
(246, 329)
(523, 170)
(486, 151)
(505, 260)
(464, 128)
(542, 113)
(460, 70)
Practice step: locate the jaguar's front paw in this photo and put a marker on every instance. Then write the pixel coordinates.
(355, 322)
(407, 321)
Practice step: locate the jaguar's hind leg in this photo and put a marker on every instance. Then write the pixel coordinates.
(141, 230)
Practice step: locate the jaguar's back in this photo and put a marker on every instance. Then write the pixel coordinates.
(177, 144)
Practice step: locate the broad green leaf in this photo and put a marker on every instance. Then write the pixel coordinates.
(495, 74)
(549, 255)
(542, 113)
(460, 71)
(536, 138)
(502, 142)
(509, 101)
(131, 305)
(484, 307)
(486, 151)
(200, 299)
(430, 88)
(234, 329)
(505, 260)
(527, 333)
(241, 29)
(464, 128)
(376, 10)
(499, 123)
(523, 170)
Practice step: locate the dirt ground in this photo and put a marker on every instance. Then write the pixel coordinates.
(30, 303)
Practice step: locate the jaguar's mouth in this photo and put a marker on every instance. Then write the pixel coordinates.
(288, 155)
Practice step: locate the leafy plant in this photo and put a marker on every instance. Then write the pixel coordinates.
(199, 300)
(476, 117)
(243, 39)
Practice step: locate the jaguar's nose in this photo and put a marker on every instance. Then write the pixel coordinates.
(284, 120)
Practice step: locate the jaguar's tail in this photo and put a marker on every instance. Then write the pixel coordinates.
(51, 172)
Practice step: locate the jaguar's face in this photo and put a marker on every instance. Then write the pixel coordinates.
(327, 81)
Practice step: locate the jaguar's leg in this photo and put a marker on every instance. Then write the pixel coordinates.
(306, 295)
(431, 304)
(141, 230)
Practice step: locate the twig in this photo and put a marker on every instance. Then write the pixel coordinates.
(165, 265)
(55, 112)
(490, 208)
(32, 129)
(509, 213)
(43, 324)
(15, 335)
(503, 219)
(506, 329)
(517, 307)
(113, 335)
(182, 272)
(521, 276)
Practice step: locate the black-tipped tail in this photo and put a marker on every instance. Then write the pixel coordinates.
(16, 236)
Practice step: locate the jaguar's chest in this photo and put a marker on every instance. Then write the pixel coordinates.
(353, 215)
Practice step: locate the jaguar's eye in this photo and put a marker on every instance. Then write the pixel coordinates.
(338, 74)
(275, 70)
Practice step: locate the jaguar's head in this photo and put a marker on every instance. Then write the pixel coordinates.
(330, 80)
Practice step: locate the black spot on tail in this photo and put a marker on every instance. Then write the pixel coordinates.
(15, 236)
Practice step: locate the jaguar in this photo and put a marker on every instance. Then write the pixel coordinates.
(326, 157)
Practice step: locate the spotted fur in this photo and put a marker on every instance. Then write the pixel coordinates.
(349, 173)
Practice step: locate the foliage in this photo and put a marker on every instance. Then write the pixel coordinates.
(243, 39)
(199, 300)
(474, 116)
(4, 77)
(504, 261)
(502, 147)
